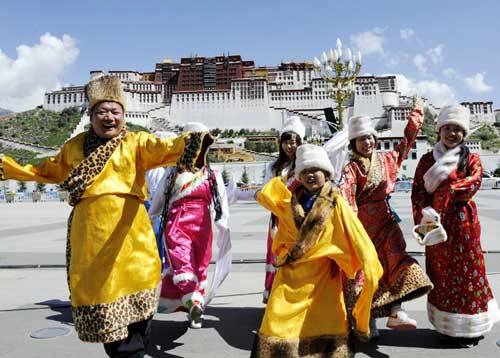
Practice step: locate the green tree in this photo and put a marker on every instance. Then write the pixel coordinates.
(225, 175)
(244, 176)
(21, 186)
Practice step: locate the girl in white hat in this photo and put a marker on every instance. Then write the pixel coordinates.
(318, 236)
(461, 306)
(291, 136)
(369, 178)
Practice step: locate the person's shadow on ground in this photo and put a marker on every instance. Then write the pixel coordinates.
(63, 309)
(235, 325)
(420, 338)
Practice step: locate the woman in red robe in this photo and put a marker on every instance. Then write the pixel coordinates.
(369, 177)
(461, 305)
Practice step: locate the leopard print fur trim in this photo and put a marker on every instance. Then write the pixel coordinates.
(375, 175)
(1, 167)
(196, 144)
(104, 323)
(322, 346)
(310, 225)
(97, 152)
(412, 283)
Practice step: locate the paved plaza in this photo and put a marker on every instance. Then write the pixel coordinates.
(34, 294)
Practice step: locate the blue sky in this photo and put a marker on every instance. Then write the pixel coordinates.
(446, 51)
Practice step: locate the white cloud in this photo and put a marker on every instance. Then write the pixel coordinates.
(450, 72)
(438, 93)
(37, 69)
(369, 42)
(476, 83)
(436, 54)
(420, 62)
(406, 34)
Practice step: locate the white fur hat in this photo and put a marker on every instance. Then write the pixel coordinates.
(195, 127)
(455, 114)
(294, 124)
(360, 126)
(312, 156)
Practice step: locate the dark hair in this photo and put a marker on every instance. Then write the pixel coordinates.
(279, 164)
(352, 144)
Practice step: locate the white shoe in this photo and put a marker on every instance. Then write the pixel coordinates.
(400, 320)
(196, 316)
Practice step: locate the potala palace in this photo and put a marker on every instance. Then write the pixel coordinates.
(228, 92)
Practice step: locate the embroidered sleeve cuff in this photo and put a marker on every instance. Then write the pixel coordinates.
(1, 168)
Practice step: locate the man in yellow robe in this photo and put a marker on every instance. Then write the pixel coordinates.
(318, 236)
(112, 259)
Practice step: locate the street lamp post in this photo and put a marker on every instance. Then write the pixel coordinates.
(340, 70)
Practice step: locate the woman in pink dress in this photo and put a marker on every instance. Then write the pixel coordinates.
(369, 178)
(190, 197)
(461, 306)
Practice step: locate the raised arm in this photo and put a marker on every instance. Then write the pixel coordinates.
(274, 196)
(415, 121)
(155, 152)
(53, 170)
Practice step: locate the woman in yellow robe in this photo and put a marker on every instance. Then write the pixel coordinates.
(306, 314)
(112, 257)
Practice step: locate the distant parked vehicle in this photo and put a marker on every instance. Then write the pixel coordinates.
(403, 185)
(490, 182)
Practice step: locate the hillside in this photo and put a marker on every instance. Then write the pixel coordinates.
(4, 112)
(40, 127)
(489, 137)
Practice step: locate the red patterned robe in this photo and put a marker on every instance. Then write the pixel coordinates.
(367, 189)
(461, 303)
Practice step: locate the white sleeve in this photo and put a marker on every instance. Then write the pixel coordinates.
(158, 199)
(337, 149)
(153, 178)
(269, 172)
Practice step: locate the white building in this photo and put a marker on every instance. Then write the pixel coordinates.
(480, 112)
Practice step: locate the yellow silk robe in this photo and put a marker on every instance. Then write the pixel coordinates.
(114, 267)
(306, 313)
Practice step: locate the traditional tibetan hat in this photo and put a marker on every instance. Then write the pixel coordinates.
(454, 114)
(105, 89)
(312, 156)
(360, 126)
(294, 125)
(195, 127)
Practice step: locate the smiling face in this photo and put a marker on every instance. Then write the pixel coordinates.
(313, 179)
(289, 146)
(451, 135)
(107, 119)
(365, 145)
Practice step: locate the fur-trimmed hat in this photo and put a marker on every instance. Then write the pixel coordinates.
(312, 156)
(195, 127)
(360, 126)
(105, 89)
(294, 125)
(454, 114)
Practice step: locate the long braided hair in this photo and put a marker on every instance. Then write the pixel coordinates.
(189, 161)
